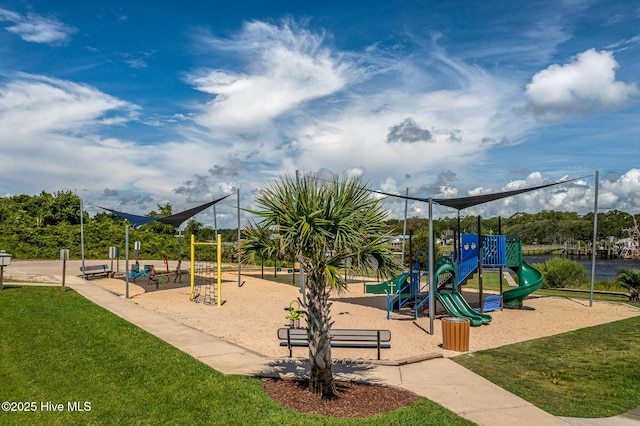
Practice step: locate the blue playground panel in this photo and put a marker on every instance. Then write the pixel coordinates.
(492, 303)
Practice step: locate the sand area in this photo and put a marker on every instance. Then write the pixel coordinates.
(251, 313)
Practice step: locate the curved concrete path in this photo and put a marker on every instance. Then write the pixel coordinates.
(440, 380)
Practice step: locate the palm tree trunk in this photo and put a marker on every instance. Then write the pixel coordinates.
(318, 326)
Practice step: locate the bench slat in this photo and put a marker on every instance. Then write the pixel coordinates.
(298, 343)
(360, 345)
(340, 338)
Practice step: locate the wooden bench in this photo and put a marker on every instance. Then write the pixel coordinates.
(95, 270)
(340, 338)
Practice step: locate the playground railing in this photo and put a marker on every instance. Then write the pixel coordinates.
(494, 250)
(466, 268)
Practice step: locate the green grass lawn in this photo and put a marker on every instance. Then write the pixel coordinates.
(592, 372)
(59, 348)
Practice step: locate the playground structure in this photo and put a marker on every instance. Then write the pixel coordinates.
(629, 247)
(409, 292)
(206, 271)
(136, 272)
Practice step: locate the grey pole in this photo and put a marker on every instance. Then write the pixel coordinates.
(432, 287)
(595, 238)
(404, 227)
(82, 234)
(239, 263)
(126, 256)
(215, 222)
(303, 284)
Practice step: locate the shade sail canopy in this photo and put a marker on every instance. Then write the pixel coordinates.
(136, 221)
(466, 202)
(175, 219)
(178, 218)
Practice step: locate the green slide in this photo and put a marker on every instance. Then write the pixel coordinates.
(453, 309)
(464, 306)
(390, 286)
(446, 267)
(455, 304)
(530, 281)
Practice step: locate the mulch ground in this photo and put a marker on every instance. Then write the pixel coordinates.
(352, 399)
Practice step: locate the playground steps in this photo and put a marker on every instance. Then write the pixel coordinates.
(408, 308)
(467, 278)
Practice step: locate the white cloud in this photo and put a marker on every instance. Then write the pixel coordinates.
(586, 85)
(622, 193)
(289, 66)
(38, 105)
(54, 135)
(457, 121)
(37, 29)
(57, 122)
(301, 105)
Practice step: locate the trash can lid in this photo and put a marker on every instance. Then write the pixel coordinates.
(456, 319)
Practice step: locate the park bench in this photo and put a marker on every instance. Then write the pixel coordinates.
(340, 338)
(95, 270)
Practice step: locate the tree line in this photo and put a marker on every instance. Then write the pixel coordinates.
(544, 228)
(38, 226)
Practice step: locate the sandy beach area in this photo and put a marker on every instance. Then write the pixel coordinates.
(250, 314)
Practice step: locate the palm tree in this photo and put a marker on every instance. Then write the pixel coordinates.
(259, 244)
(630, 279)
(324, 224)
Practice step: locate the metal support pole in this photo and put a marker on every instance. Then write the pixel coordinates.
(64, 270)
(501, 269)
(432, 286)
(480, 259)
(404, 227)
(82, 235)
(595, 238)
(126, 255)
(193, 267)
(215, 223)
(219, 269)
(239, 259)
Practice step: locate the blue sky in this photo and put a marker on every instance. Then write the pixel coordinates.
(134, 104)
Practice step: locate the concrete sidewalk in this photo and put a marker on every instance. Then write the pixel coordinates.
(440, 380)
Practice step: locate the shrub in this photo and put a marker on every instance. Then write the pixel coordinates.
(630, 279)
(559, 272)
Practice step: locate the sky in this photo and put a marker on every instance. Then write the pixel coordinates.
(132, 105)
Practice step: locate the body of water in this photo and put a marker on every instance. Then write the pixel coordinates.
(605, 269)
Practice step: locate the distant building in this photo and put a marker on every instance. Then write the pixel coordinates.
(396, 242)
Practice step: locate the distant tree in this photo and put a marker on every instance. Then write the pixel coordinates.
(193, 227)
(159, 227)
(64, 209)
(421, 240)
